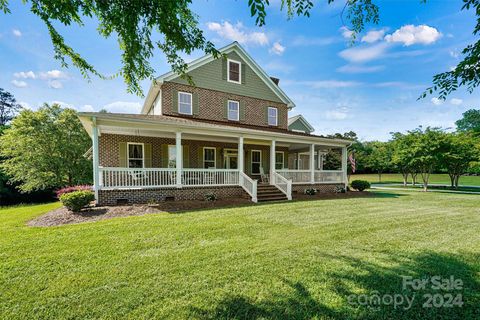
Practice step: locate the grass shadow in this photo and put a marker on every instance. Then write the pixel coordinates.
(366, 281)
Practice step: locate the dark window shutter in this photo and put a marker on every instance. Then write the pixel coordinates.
(195, 104)
(242, 110)
(164, 156)
(243, 71)
(224, 68)
(148, 155)
(225, 109)
(218, 156)
(186, 156)
(266, 115)
(175, 101)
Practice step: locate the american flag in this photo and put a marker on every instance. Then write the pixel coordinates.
(351, 158)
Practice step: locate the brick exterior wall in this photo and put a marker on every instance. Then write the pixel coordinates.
(212, 105)
(138, 196)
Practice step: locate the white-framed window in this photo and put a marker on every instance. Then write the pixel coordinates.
(135, 155)
(272, 116)
(256, 161)
(185, 103)
(233, 110)
(234, 71)
(172, 156)
(209, 154)
(279, 160)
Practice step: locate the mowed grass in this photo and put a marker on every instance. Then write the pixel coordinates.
(434, 179)
(296, 260)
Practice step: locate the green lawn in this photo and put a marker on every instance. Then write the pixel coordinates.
(434, 179)
(292, 260)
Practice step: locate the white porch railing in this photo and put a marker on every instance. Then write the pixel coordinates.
(304, 176)
(210, 177)
(249, 185)
(283, 184)
(114, 178)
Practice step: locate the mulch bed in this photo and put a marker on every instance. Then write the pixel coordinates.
(62, 216)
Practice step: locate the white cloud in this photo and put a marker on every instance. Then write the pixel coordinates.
(25, 105)
(279, 66)
(316, 41)
(53, 74)
(373, 36)
(348, 68)
(17, 33)
(62, 104)
(454, 54)
(436, 101)
(25, 75)
(237, 33)
(410, 34)
(19, 84)
(55, 84)
(277, 48)
(456, 102)
(362, 54)
(87, 108)
(123, 107)
(337, 114)
(346, 33)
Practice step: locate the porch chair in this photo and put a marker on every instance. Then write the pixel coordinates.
(263, 177)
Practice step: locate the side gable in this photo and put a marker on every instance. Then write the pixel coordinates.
(298, 123)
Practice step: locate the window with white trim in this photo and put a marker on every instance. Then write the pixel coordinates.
(256, 161)
(279, 160)
(185, 103)
(172, 156)
(233, 110)
(135, 155)
(272, 116)
(209, 157)
(234, 71)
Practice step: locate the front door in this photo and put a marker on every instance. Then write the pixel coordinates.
(231, 162)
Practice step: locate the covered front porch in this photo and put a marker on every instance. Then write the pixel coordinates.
(130, 156)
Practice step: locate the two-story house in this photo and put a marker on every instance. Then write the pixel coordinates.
(228, 134)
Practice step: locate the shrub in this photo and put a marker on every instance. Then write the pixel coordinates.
(76, 200)
(360, 185)
(210, 197)
(310, 191)
(72, 189)
(339, 189)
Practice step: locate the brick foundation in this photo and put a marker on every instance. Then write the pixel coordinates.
(110, 197)
(322, 188)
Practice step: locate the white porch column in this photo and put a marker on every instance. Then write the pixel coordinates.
(312, 163)
(96, 174)
(272, 160)
(298, 161)
(179, 158)
(240, 159)
(344, 166)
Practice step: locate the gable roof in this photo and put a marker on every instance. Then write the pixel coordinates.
(301, 119)
(234, 46)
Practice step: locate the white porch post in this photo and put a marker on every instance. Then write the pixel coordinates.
(272, 160)
(344, 166)
(240, 159)
(96, 175)
(298, 161)
(312, 163)
(179, 158)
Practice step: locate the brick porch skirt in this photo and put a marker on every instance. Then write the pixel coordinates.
(113, 197)
(322, 188)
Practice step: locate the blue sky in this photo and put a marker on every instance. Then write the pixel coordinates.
(370, 87)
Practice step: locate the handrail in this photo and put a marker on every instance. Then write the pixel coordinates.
(283, 184)
(249, 185)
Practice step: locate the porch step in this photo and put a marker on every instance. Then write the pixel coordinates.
(266, 192)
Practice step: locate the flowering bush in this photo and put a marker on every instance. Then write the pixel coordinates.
(311, 191)
(210, 197)
(72, 189)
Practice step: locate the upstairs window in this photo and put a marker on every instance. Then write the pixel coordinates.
(135, 155)
(233, 110)
(234, 71)
(272, 116)
(185, 103)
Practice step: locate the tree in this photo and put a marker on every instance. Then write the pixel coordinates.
(402, 157)
(460, 152)
(8, 107)
(470, 121)
(44, 149)
(379, 157)
(427, 150)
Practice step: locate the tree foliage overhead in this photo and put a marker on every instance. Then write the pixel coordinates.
(470, 121)
(44, 149)
(8, 107)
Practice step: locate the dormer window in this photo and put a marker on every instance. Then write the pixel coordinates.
(234, 71)
(272, 116)
(185, 103)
